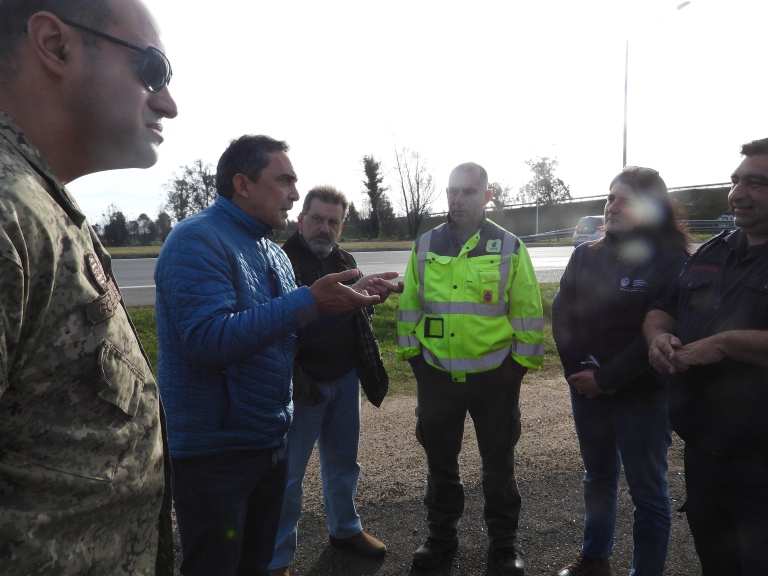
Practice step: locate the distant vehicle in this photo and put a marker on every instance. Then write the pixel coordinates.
(588, 229)
(726, 220)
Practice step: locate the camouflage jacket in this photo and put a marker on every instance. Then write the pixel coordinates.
(83, 478)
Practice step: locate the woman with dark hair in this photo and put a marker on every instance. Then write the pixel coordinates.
(619, 402)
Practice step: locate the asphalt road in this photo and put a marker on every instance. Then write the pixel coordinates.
(135, 276)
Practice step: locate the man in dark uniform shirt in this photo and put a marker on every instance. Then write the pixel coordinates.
(710, 333)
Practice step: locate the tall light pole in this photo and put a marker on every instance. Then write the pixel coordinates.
(537, 205)
(626, 79)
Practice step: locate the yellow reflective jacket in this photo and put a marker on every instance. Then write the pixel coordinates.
(466, 308)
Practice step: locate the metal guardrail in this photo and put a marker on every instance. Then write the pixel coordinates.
(702, 226)
(578, 199)
(713, 226)
(553, 235)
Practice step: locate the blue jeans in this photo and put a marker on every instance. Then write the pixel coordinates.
(637, 435)
(335, 426)
(227, 508)
(492, 400)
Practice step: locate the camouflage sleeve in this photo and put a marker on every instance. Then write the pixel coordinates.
(12, 296)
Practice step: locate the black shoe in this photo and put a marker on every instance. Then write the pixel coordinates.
(586, 566)
(505, 561)
(429, 554)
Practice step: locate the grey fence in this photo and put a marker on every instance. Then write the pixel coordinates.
(694, 226)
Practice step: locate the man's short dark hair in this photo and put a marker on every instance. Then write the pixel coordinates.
(248, 155)
(755, 147)
(327, 194)
(15, 14)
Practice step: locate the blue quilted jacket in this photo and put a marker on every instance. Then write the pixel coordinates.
(228, 312)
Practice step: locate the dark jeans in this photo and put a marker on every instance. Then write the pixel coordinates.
(492, 400)
(227, 509)
(727, 510)
(637, 436)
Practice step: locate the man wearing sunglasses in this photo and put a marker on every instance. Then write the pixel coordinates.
(84, 484)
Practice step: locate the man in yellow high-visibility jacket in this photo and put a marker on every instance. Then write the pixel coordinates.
(470, 324)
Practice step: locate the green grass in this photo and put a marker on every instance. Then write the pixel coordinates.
(134, 251)
(401, 379)
(552, 366)
(143, 318)
(350, 245)
(380, 244)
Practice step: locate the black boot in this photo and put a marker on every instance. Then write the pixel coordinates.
(505, 561)
(429, 554)
(586, 566)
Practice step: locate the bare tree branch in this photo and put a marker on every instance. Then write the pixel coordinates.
(417, 188)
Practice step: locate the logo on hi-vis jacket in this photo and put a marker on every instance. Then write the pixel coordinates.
(493, 246)
(487, 295)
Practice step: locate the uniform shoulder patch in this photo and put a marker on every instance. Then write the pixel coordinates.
(97, 272)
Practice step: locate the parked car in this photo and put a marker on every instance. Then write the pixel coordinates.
(726, 220)
(589, 228)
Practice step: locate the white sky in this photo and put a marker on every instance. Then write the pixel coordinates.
(494, 82)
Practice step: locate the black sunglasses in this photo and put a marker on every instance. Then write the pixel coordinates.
(154, 68)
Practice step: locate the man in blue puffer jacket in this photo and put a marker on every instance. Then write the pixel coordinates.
(228, 316)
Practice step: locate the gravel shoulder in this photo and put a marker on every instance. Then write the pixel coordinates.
(549, 473)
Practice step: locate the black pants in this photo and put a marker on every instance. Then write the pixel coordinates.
(227, 509)
(727, 510)
(492, 400)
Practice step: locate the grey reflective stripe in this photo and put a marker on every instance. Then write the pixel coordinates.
(441, 241)
(407, 341)
(487, 362)
(487, 310)
(525, 324)
(409, 315)
(507, 249)
(529, 350)
(421, 260)
(473, 308)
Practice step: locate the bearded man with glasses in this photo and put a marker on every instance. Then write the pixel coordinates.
(84, 475)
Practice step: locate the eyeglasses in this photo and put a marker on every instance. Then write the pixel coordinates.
(154, 68)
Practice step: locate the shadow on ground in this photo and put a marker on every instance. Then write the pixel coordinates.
(549, 473)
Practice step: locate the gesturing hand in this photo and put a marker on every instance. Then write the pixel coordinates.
(378, 284)
(331, 297)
